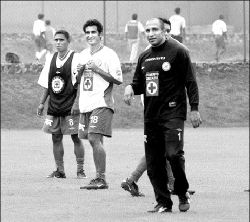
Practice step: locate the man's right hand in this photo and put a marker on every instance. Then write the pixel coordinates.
(128, 94)
(40, 110)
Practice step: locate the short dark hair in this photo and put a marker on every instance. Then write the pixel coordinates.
(47, 22)
(134, 16)
(177, 10)
(40, 16)
(165, 21)
(65, 33)
(161, 23)
(93, 22)
(221, 17)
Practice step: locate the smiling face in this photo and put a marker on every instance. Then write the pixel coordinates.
(155, 32)
(92, 35)
(62, 42)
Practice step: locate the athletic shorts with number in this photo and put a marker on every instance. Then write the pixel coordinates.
(98, 121)
(67, 125)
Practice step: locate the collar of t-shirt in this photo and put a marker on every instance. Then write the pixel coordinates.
(159, 47)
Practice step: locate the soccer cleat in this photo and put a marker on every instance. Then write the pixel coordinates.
(97, 183)
(184, 202)
(160, 208)
(81, 174)
(57, 174)
(132, 188)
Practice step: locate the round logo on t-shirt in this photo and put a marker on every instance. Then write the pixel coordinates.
(166, 66)
(57, 84)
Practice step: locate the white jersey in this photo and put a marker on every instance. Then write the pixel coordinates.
(38, 27)
(218, 27)
(44, 76)
(96, 92)
(177, 22)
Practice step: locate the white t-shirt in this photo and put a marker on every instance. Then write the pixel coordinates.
(218, 27)
(96, 92)
(38, 27)
(44, 76)
(177, 21)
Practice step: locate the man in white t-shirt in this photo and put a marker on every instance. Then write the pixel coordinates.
(178, 25)
(133, 29)
(39, 36)
(49, 38)
(219, 29)
(98, 71)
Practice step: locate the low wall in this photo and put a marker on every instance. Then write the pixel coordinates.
(201, 68)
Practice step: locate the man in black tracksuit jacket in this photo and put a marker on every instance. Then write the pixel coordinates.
(164, 74)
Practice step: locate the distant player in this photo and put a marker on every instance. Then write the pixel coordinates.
(178, 22)
(133, 29)
(39, 36)
(219, 29)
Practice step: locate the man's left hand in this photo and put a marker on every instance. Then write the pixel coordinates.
(195, 118)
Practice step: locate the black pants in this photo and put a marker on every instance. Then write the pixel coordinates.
(165, 140)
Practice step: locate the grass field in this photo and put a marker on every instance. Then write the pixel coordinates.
(217, 166)
(201, 49)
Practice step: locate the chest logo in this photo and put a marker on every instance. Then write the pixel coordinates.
(166, 66)
(152, 88)
(57, 84)
(152, 84)
(88, 80)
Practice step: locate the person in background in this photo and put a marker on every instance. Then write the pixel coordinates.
(58, 78)
(99, 69)
(178, 24)
(39, 37)
(133, 29)
(219, 29)
(49, 39)
(164, 74)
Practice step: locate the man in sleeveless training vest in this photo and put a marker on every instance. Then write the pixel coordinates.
(132, 34)
(58, 78)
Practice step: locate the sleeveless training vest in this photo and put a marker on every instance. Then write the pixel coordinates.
(60, 88)
(132, 30)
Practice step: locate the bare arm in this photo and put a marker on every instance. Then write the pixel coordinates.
(42, 101)
(106, 76)
(75, 107)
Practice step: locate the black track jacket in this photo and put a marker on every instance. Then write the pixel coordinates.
(165, 74)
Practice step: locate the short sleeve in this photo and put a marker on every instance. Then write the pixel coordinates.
(115, 66)
(183, 23)
(141, 28)
(44, 76)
